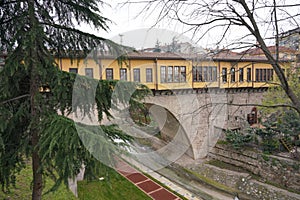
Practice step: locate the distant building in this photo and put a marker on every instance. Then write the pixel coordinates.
(2, 59)
(283, 52)
(291, 39)
(176, 47)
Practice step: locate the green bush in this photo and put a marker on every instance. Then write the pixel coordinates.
(270, 145)
(236, 139)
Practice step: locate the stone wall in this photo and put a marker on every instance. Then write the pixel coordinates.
(203, 115)
(244, 184)
(278, 170)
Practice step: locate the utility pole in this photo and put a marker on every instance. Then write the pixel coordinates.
(121, 39)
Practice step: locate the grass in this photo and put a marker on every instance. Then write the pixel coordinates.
(227, 166)
(116, 188)
(22, 190)
(211, 182)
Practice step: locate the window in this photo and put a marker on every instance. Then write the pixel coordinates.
(170, 74)
(270, 74)
(109, 74)
(136, 75)
(232, 74)
(149, 78)
(123, 74)
(173, 74)
(176, 74)
(214, 74)
(263, 75)
(73, 70)
(210, 75)
(204, 73)
(248, 74)
(241, 74)
(197, 74)
(257, 75)
(182, 74)
(163, 74)
(200, 74)
(224, 74)
(89, 72)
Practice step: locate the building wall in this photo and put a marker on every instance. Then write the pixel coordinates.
(172, 84)
(145, 65)
(179, 73)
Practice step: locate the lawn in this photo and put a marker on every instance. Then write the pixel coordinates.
(22, 190)
(117, 187)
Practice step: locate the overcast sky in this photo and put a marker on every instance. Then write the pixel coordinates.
(136, 29)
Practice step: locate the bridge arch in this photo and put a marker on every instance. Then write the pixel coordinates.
(171, 130)
(201, 121)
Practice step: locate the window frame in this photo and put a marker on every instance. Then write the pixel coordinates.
(170, 74)
(72, 68)
(136, 75)
(107, 73)
(232, 75)
(249, 74)
(163, 74)
(177, 74)
(182, 72)
(224, 75)
(149, 72)
(123, 74)
(86, 71)
(241, 74)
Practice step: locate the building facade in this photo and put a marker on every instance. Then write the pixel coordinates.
(291, 39)
(169, 71)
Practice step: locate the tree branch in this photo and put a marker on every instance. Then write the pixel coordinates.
(14, 99)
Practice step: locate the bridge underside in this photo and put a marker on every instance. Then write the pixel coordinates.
(196, 120)
(170, 129)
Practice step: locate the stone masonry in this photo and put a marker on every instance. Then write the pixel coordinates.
(202, 116)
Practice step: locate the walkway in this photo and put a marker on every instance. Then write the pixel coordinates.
(147, 185)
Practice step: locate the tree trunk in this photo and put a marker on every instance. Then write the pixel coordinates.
(37, 176)
(32, 62)
(36, 162)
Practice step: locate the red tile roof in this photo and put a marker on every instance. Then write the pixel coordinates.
(272, 49)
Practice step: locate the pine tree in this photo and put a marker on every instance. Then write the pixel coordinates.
(32, 32)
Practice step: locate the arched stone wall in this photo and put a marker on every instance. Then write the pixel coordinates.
(203, 115)
(170, 128)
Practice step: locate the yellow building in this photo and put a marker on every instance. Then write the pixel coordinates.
(169, 71)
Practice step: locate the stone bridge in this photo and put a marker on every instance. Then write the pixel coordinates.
(193, 121)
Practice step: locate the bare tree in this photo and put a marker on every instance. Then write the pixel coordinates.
(255, 23)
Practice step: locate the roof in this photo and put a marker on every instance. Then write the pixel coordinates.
(222, 55)
(290, 32)
(225, 52)
(272, 49)
(158, 55)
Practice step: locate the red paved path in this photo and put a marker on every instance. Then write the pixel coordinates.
(147, 185)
